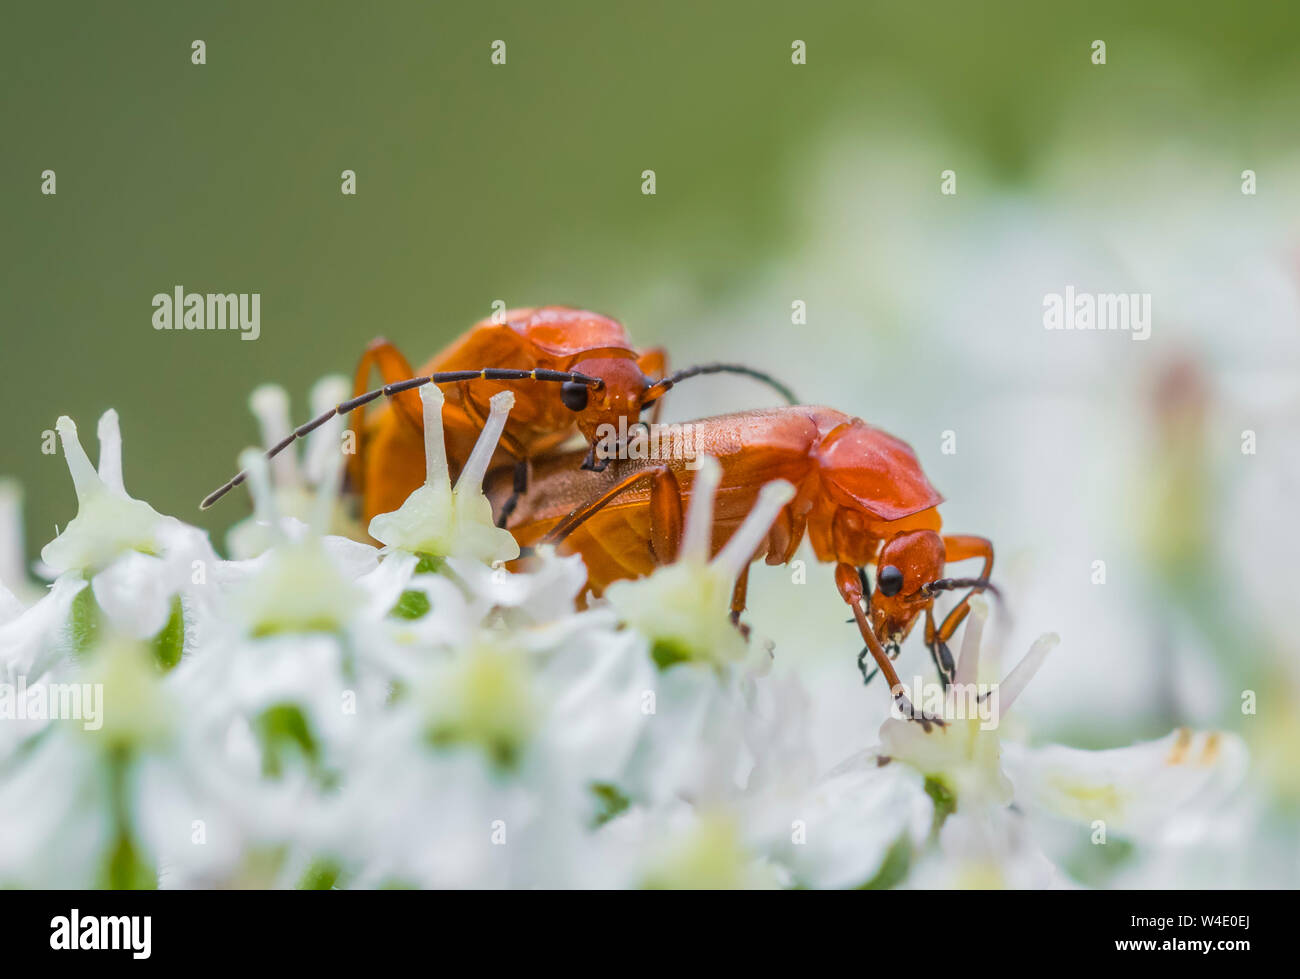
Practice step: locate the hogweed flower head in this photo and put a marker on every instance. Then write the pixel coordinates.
(708, 853)
(137, 710)
(109, 523)
(138, 563)
(300, 588)
(962, 754)
(293, 483)
(483, 696)
(338, 715)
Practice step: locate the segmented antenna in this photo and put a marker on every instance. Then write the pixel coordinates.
(948, 584)
(686, 372)
(974, 584)
(397, 387)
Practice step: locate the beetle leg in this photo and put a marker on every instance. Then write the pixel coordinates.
(738, 594)
(962, 547)
(893, 649)
(393, 366)
(520, 487)
(666, 520)
(939, 651)
(849, 583)
(592, 464)
(850, 588)
(665, 511)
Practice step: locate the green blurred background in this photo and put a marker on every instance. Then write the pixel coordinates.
(775, 183)
(519, 182)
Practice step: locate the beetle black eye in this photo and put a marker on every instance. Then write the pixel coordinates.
(890, 580)
(574, 395)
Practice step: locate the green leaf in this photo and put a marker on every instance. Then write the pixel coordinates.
(321, 875)
(84, 620)
(666, 653)
(428, 564)
(283, 730)
(1095, 864)
(168, 645)
(413, 604)
(501, 749)
(945, 802)
(610, 801)
(126, 870)
(893, 870)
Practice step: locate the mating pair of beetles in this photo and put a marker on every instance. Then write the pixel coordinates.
(860, 495)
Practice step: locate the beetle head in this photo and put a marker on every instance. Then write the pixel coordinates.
(907, 563)
(616, 403)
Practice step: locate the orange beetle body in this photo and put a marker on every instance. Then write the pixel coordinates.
(861, 498)
(389, 463)
(855, 486)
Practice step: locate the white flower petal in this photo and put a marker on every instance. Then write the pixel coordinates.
(839, 833)
(545, 592)
(987, 850)
(1133, 790)
(108, 522)
(34, 641)
(14, 580)
(323, 445)
(270, 405)
(135, 593)
(110, 451)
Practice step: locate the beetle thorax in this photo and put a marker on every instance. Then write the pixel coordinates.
(852, 538)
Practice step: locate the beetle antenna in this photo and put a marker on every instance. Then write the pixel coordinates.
(949, 584)
(975, 584)
(661, 386)
(397, 387)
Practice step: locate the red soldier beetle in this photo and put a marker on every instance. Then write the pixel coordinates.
(602, 381)
(860, 498)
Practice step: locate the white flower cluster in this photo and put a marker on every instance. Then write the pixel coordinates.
(320, 712)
